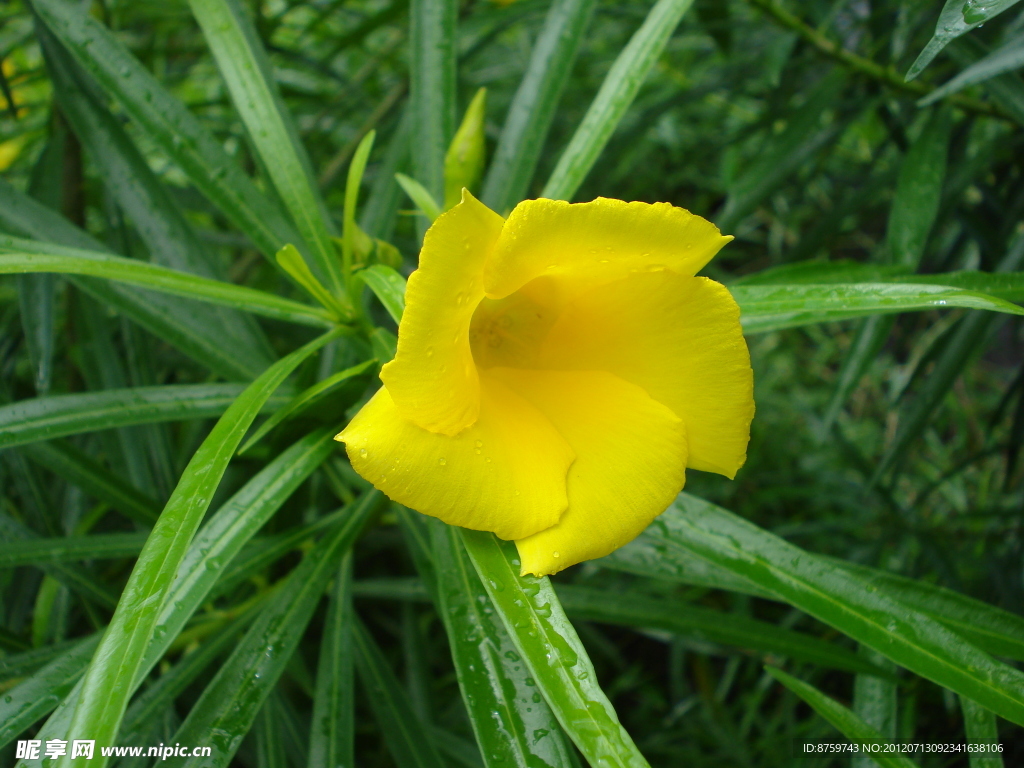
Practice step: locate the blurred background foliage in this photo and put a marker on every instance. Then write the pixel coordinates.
(890, 443)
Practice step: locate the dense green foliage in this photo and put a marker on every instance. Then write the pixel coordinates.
(259, 597)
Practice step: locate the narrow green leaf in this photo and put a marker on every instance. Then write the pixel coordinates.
(845, 721)
(35, 304)
(1003, 285)
(257, 556)
(227, 531)
(109, 681)
(981, 731)
(919, 191)
(332, 732)
(36, 292)
(956, 18)
(169, 123)
(432, 89)
(553, 653)
(75, 578)
(69, 549)
(31, 699)
(874, 702)
(154, 213)
(78, 468)
(617, 92)
(533, 107)
(246, 71)
(774, 307)
(868, 340)
(217, 544)
(25, 256)
(406, 737)
(838, 598)
(144, 710)
(512, 724)
(993, 630)
(1006, 58)
(292, 262)
(304, 400)
(59, 415)
(24, 663)
(420, 196)
(464, 161)
(388, 286)
(270, 749)
(228, 706)
(694, 622)
(820, 272)
(164, 316)
(356, 169)
(381, 208)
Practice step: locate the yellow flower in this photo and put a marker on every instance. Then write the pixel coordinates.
(556, 373)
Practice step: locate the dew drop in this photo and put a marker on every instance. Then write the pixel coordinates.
(442, 461)
(363, 452)
(555, 554)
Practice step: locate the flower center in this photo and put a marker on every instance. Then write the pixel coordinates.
(509, 332)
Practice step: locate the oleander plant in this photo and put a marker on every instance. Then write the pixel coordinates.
(354, 355)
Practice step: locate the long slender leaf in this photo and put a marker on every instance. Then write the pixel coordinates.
(407, 738)
(836, 597)
(533, 107)
(774, 307)
(388, 286)
(27, 421)
(332, 733)
(217, 544)
(108, 682)
(71, 549)
(847, 722)
(911, 218)
(75, 578)
(31, 699)
(76, 467)
(304, 400)
(504, 706)
(1005, 58)
(164, 316)
(875, 702)
(981, 731)
(550, 648)
(153, 212)
(432, 89)
(246, 71)
(617, 92)
(692, 621)
(24, 257)
(230, 703)
(221, 539)
(919, 191)
(168, 122)
(139, 717)
(955, 19)
(993, 630)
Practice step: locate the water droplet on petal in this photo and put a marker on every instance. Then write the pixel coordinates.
(442, 461)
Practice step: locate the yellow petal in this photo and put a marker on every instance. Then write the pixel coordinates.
(505, 473)
(595, 242)
(630, 459)
(680, 339)
(432, 379)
